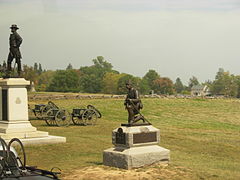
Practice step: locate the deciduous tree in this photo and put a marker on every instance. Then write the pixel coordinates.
(122, 83)
(151, 76)
(192, 82)
(178, 85)
(163, 85)
(110, 82)
(92, 76)
(64, 81)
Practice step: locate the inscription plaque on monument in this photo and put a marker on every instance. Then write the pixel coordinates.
(144, 137)
(120, 137)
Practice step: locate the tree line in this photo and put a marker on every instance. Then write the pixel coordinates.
(100, 77)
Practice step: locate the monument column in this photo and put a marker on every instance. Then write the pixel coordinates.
(14, 120)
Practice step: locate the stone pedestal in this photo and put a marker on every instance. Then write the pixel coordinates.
(135, 147)
(14, 122)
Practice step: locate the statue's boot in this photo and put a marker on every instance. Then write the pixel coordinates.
(8, 71)
(131, 121)
(137, 118)
(9, 68)
(18, 61)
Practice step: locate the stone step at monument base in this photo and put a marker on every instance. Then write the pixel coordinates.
(24, 135)
(42, 140)
(16, 127)
(128, 158)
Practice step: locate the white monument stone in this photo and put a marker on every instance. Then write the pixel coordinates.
(135, 147)
(14, 122)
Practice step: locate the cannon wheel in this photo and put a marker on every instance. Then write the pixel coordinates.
(52, 105)
(44, 110)
(20, 152)
(40, 114)
(49, 118)
(99, 115)
(5, 156)
(63, 118)
(90, 117)
(77, 120)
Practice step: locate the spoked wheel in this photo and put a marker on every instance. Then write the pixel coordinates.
(43, 112)
(20, 157)
(90, 117)
(49, 118)
(50, 103)
(38, 110)
(38, 114)
(77, 120)
(4, 156)
(99, 115)
(62, 118)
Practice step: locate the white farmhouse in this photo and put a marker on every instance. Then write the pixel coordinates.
(200, 90)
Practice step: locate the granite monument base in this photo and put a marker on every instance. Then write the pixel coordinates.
(135, 147)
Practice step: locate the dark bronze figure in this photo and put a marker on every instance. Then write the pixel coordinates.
(133, 104)
(15, 42)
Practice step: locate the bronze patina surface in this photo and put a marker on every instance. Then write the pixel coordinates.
(120, 137)
(133, 104)
(144, 137)
(15, 41)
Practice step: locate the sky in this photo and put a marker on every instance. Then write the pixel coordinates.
(177, 38)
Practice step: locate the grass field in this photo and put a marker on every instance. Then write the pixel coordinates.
(202, 134)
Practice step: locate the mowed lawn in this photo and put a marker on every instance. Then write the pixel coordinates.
(202, 134)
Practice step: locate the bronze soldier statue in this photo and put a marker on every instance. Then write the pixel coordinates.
(15, 41)
(133, 104)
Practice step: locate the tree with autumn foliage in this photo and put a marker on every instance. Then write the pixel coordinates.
(163, 85)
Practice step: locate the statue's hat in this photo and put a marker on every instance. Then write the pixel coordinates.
(14, 26)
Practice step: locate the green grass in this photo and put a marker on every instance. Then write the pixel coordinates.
(203, 135)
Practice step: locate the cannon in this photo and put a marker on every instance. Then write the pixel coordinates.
(55, 116)
(52, 114)
(87, 116)
(13, 163)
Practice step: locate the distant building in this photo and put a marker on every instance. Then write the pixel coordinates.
(200, 90)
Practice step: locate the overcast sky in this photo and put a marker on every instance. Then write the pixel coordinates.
(177, 38)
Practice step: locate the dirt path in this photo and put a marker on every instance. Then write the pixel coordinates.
(161, 171)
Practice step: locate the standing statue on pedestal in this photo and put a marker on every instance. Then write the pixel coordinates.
(133, 104)
(15, 41)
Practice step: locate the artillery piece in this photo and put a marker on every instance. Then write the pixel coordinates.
(13, 164)
(52, 114)
(87, 116)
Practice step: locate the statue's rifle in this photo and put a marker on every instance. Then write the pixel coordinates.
(144, 119)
